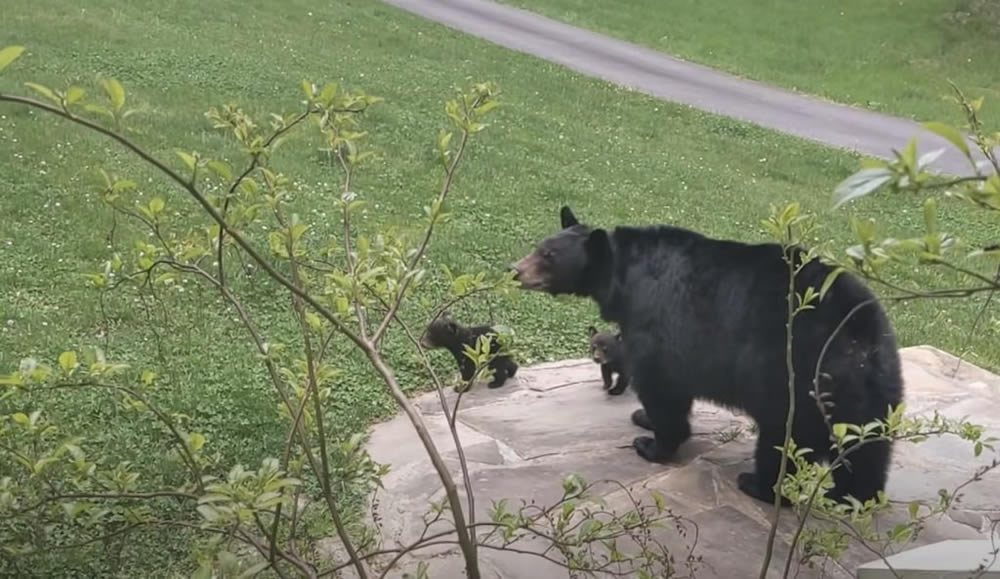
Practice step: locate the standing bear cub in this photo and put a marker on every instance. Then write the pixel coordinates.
(446, 333)
(607, 350)
(705, 318)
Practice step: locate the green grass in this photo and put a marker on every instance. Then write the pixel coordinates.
(885, 55)
(615, 156)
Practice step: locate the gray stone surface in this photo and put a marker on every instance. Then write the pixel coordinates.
(944, 560)
(554, 419)
(675, 80)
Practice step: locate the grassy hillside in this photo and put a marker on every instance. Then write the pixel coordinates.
(615, 156)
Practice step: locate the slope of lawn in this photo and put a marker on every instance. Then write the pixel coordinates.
(886, 55)
(615, 156)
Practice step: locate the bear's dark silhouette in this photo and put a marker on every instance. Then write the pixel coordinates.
(445, 332)
(705, 318)
(607, 350)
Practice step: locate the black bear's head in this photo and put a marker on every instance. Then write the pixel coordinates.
(444, 332)
(605, 347)
(576, 260)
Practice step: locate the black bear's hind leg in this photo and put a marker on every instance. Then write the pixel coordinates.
(640, 419)
(864, 473)
(669, 418)
(759, 484)
(499, 373)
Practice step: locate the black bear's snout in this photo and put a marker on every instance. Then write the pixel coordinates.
(517, 273)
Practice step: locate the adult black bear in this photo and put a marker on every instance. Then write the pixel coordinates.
(446, 333)
(607, 350)
(705, 318)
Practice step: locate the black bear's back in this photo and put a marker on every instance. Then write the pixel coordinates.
(715, 312)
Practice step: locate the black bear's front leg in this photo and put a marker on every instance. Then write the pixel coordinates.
(620, 385)
(760, 483)
(606, 375)
(667, 414)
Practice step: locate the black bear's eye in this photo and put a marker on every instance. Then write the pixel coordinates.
(547, 253)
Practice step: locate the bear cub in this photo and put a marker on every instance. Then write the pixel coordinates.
(446, 333)
(705, 318)
(608, 350)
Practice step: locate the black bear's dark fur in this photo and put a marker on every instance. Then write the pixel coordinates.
(607, 350)
(705, 318)
(446, 333)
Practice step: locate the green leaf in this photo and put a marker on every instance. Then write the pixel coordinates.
(828, 282)
(188, 159)
(13, 379)
(486, 107)
(156, 205)
(101, 110)
(44, 91)
(930, 215)
(951, 134)
(307, 89)
(840, 430)
(860, 184)
(913, 509)
(313, 320)
(254, 570)
(67, 361)
(74, 94)
(115, 92)
(221, 169)
(9, 54)
(909, 154)
(196, 441)
(207, 512)
(326, 95)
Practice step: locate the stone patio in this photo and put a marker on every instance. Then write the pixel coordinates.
(555, 419)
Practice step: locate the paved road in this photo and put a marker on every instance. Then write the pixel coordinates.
(674, 80)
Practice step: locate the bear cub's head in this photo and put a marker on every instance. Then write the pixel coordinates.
(443, 332)
(568, 262)
(605, 347)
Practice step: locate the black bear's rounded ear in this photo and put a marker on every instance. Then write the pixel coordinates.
(591, 330)
(567, 217)
(453, 325)
(598, 246)
(618, 336)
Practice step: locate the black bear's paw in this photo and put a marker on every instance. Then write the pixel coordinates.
(496, 384)
(747, 482)
(647, 448)
(618, 389)
(641, 419)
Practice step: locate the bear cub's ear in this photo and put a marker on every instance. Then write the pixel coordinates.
(591, 330)
(567, 217)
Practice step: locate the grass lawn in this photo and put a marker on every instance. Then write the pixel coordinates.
(886, 55)
(615, 156)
